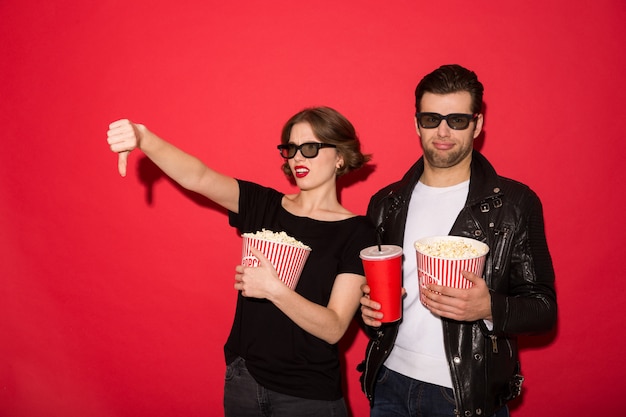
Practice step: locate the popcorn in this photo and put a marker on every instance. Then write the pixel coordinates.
(286, 254)
(279, 237)
(449, 249)
(442, 259)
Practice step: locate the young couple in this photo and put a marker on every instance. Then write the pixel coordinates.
(454, 352)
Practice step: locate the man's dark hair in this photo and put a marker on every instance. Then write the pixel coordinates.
(451, 79)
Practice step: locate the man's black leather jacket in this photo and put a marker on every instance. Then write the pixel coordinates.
(508, 217)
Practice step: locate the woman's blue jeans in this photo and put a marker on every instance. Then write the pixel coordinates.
(399, 396)
(244, 397)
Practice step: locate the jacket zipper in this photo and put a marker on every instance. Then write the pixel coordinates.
(503, 243)
(494, 343)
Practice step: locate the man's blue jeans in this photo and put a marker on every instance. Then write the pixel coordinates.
(243, 397)
(399, 396)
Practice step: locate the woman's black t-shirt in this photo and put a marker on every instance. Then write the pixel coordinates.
(279, 354)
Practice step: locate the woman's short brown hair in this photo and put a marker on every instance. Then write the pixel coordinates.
(329, 126)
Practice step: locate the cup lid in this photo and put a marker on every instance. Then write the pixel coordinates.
(381, 252)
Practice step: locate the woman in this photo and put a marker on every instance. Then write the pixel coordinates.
(282, 356)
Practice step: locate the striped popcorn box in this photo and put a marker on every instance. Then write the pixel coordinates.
(288, 259)
(441, 259)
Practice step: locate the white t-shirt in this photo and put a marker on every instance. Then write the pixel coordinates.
(419, 351)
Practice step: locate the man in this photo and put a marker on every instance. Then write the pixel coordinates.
(454, 353)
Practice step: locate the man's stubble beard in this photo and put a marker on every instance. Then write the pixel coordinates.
(451, 158)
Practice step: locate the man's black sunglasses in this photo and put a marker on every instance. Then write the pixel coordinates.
(308, 150)
(456, 121)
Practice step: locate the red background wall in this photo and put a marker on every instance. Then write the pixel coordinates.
(116, 294)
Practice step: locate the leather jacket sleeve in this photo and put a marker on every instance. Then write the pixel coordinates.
(519, 268)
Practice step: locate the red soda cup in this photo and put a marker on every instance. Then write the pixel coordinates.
(383, 271)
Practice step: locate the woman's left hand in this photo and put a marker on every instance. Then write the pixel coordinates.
(258, 281)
